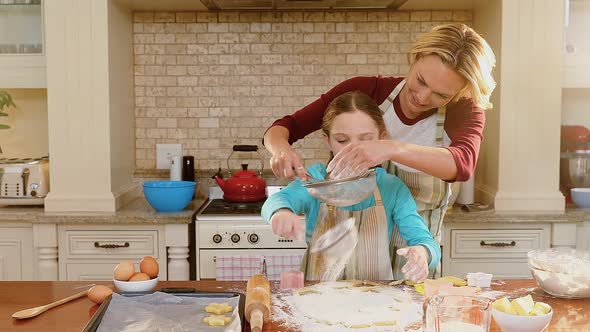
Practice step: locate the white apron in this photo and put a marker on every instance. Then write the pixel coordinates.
(430, 193)
(370, 259)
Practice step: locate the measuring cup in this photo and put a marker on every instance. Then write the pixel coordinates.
(451, 313)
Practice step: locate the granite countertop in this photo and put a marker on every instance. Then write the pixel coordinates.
(138, 211)
(457, 214)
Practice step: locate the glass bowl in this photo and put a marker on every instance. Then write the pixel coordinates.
(344, 192)
(569, 286)
(561, 260)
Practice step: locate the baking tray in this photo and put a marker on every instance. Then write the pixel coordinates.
(94, 322)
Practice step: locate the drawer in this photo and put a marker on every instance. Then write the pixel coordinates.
(111, 244)
(91, 271)
(495, 243)
(505, 269)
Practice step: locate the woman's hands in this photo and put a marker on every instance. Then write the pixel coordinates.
(358, 157)
(416, 267)
(285, 162)
(287, 224)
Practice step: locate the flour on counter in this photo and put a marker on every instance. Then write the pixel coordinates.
(338, 306)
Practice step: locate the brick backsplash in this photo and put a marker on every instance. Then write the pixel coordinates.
(210, 80)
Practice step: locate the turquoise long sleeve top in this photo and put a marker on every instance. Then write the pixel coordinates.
(400, 209)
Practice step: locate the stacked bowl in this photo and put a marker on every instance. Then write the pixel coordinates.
(561, 272)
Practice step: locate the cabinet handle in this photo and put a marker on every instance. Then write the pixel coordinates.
(498, 244)
(111, 245)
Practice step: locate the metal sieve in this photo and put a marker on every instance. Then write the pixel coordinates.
(344, 192)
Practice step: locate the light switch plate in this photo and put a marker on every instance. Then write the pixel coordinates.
(165, 152)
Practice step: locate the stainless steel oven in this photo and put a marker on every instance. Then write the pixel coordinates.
(232, 229)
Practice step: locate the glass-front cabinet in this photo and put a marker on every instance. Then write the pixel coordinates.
(22, 52)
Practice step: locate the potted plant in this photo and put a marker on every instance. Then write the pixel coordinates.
(5, 102)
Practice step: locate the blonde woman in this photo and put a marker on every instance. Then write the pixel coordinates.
(434, 117)
(351, 118)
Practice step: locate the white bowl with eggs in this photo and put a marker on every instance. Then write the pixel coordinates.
(136, 286)
(127, 279)
(515, 323)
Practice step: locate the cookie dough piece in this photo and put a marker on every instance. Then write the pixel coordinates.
(217, 320)
(305, 290)
(218, 308)
(385, 323)
(364, 283)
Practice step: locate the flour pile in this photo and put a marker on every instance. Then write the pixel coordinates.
(348, 306)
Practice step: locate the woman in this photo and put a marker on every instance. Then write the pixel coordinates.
(351, 118)
(434, 116)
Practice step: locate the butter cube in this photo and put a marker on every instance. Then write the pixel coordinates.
(502, 304)
(540, 309)
(456, 281)
(523, 305)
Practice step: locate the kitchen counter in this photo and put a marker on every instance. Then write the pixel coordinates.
(569, 315)
(570, 215)
(138, 211)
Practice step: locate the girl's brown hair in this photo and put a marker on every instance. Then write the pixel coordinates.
(350, 102)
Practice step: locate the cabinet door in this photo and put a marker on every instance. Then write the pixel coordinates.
(583, 240)
(576, 58)
(22, 58)
(16, 253)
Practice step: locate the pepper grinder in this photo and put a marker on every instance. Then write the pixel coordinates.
(188, 168)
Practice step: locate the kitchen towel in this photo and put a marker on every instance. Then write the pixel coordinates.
(275, 264)
(237, 268)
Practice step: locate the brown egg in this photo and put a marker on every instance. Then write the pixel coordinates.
(124, 270)
(99, 293)
(149, 266)
(139, 276)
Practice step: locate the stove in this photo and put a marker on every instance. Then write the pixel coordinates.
(221, 207)
(226, 228)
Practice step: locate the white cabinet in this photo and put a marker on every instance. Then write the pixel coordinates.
(90, 252)
(496, 248)
(22, 53)
(576, 60)
(583, 236)
(16, 252)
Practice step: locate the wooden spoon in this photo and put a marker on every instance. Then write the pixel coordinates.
(32, 312)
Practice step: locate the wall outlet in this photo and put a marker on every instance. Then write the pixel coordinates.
(165, 152)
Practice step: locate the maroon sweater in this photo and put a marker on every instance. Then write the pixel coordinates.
(464, 121)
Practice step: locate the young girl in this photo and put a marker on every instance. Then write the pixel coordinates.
(350, 118)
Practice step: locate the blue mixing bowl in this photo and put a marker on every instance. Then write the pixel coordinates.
(169, 196)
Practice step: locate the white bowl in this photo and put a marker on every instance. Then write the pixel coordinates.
(581, 197)
(515, 323)
(136, 286)
(569, 286)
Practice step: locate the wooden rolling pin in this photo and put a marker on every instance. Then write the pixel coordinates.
(257, 302)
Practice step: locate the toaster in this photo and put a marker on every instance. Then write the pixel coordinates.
(24, 181)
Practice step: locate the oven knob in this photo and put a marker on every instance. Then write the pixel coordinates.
(253, 238)
(217, 238)
(235, 238)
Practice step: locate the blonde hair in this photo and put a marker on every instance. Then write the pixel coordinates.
(350, 102)
(462, 49)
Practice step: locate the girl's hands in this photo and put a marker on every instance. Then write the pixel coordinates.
(416, 267)
(287, 224)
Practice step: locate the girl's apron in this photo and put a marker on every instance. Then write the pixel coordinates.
(430, 193)
(370, 259)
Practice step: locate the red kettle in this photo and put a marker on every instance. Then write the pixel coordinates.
(244, 185)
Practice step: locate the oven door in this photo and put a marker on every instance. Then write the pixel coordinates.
(274, 261)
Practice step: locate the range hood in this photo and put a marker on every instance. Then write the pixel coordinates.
(300, 4)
